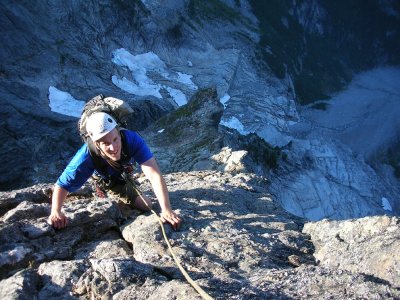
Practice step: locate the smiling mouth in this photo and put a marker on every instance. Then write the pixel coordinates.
(113, 153)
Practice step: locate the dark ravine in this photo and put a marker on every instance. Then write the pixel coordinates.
(322, 44)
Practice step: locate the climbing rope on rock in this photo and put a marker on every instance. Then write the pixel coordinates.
(201, 292)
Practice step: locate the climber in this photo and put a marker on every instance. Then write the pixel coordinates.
(116, 149)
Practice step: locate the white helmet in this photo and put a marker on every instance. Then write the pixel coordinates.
(99, 124)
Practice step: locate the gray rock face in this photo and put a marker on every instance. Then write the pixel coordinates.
(186, 139)
(321, 179)
(189, 38)
(215, 49)
(191, 139)
(22, 285)
(26, 237)
(368, 245)
(69, 46)
(235, 242)
(322, 283)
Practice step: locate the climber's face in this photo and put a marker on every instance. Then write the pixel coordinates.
(110, 145)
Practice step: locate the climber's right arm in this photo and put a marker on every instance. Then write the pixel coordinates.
(77, 172)
(57, 218)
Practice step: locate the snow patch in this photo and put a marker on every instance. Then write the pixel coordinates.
(178, 96)
(63, 103)
(234, 123)
(138, 65)
(186, 79)
(146, 88)
(141, 84)
(225, 98)
(386, 205)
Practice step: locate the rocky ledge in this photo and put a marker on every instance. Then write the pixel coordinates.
(235, 242)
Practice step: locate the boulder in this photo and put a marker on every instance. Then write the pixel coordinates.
(368, 246)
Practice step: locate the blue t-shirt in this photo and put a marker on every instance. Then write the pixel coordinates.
(81, 167)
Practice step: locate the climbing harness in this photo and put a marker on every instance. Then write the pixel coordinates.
(202, 293)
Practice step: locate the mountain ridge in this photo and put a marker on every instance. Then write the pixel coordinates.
(235, 242)
(246, 175)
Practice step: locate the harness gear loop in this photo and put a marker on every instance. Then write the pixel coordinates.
(202, 293)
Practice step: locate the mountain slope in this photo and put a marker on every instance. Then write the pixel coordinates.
(235, 242)
(178, 48)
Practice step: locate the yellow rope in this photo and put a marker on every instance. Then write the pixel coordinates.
(202, 293)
